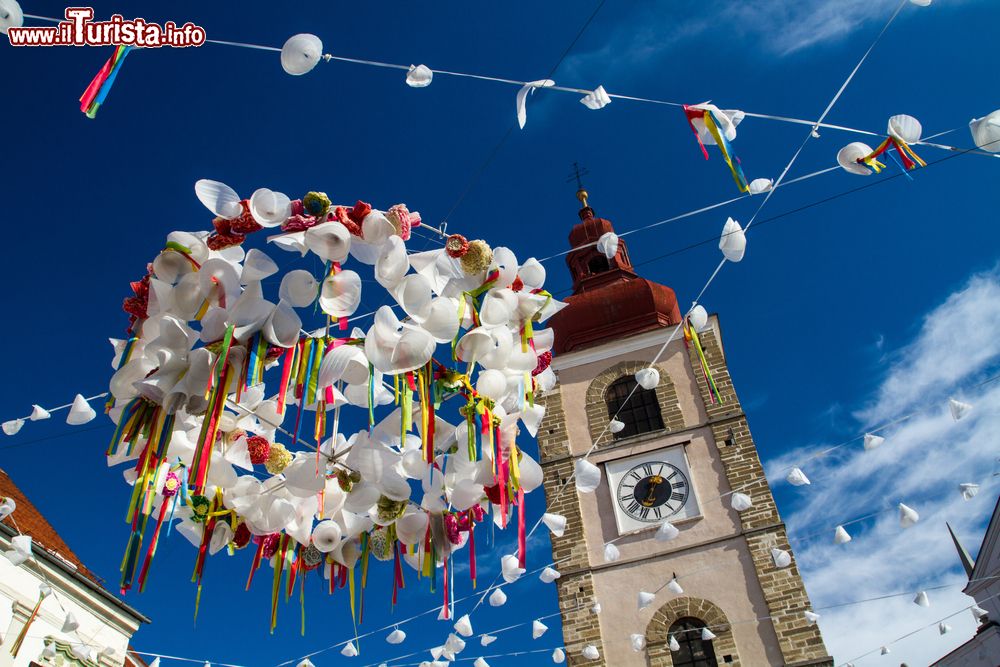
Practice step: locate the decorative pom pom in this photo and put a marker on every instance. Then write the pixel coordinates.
(270, 544)
(389, 510)
(340, 213)
(199, 508)
(380, 544)
(456, 246)
(242, 536)
(477, 257)
(278, 459)
(259, 449)
(298, 223)
(360, 210)
(544, 359)
(399, 216)
(222, 241)
(316, 204)
(245, 223)
(311, 557)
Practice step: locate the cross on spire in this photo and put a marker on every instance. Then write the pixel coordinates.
(577, 175)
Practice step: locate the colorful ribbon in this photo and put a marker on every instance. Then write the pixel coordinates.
(95, 94)
(712, 125)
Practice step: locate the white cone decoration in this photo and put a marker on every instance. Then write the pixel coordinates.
(922, 600)
(849, 155)
(607, 245)
(480, 662)
(760, 185)
(522, 98)
(811, 617)
(707, 635)
(558, 656)
(556, 523)
(301, 53)
(419, 76)
(11, 15)
(464, 626)
(510, 569)
(958, 408)
(38, 413)
(986, 132)
(698, 317)
(397, 636)
(611, 553)
(498, 598)
(590, 652)
(646, 599)
(647, 378)
(884, 650)
(674, 586)
(978, 612)
(49, 652)
(873, 441)
(70, 624)
(616, 426)
(596, 609)
(666, 532)
(796, 477)
(7, 507)
(538, 629)
(673, 644)
(841, 536)
(969, 490)
(587, 475)
(486, 640)
(733, 242)
(907, 516)
(306, 662)
(12, 426)
(350, 650)
(598, 99)
(80, 412)
(781, 557)
(741, 502)
(943, 628)
(22, 545)
(549, 575)
(638, 641)
(905, 128)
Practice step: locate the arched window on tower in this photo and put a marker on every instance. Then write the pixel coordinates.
(641, 414)
(598, 264)
(694, 651)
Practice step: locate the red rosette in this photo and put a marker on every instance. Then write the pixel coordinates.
(360, 210)
(544, 359)
(340, 213)
(298, 223)
(135, 307)
(259, 449)
(297, 207)
(222, 225)
(219, 241)
(242, 536)
(245, 224)
(456, 246)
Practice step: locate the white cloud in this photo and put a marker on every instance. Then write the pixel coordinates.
(921, 463)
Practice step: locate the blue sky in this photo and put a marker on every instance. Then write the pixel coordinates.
(831, 312)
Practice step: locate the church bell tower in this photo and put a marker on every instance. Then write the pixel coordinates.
(684, 449)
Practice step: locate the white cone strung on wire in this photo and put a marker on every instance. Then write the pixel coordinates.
(607, 245)
(796, 477)
(538, 629)
(558, 656)
(301, 53)
(647, 378)
(760, 185)
(38, 413)
(480, 662)
(486, 640)
(873, 441)
(590, 652)
(884, 650)
(498, 598)
(707, 635)
(397, 636)
(548, 575)
(646, 599)
(587, 476)
(733, 242)
(673, 644)
(986, 132)
(7, 507)
(70, 623)
(979, 613)
(616, 426)
(781, 557)
(510, 568)
(666, 532)
(419, 76)
(597, 99)
(350, 650)
(596, 609)
(811, 617)
(907, 516)
(698, 317)
(968, 490)
(638, 641)
(841, 536)
(958, 408)
(611, 553)
(674, 586)
(11, 427)
(556, 523)
(80, 412)
(740, 502)
(922, 600)
(943, 628)
(463, 626)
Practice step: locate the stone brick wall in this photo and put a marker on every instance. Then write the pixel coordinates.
(657, 632)
(581, 626)
(597, 408)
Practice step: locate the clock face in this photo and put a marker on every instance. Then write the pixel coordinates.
(650, 488)
(653, 491)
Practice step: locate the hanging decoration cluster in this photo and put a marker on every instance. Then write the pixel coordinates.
(228, 414)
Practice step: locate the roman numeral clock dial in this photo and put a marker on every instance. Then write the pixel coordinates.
(650, 488)
(653, 491)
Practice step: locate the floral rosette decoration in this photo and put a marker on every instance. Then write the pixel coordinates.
(258, 417)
